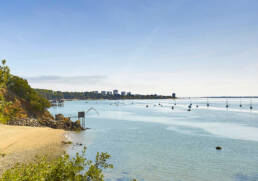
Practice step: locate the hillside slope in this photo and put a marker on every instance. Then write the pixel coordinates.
(18, 99)
(22, 105)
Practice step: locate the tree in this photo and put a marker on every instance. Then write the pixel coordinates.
(4, 78)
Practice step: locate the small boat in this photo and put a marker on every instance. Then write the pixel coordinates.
(251, 104)
(207, 103)
(227, 103)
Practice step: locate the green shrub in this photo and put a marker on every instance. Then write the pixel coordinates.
(63, 168)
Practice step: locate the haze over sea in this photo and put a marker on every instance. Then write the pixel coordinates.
(158, 143)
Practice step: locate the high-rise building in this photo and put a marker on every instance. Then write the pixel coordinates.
(129, 93)
(109, 92)
(115, 92)
(173, 95)
(123, 93)
(103, 92)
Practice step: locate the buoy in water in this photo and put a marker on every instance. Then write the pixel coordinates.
(189, 109)
(218, 148)
(197, 106)
(172, 107)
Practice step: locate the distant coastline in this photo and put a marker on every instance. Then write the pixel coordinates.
(230, 97)
(58, 95)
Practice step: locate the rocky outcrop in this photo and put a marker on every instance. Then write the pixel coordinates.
(60, 122)
(25, 122)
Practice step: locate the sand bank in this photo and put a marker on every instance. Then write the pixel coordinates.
(20, 144)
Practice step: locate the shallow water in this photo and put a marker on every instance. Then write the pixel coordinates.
(158, 143)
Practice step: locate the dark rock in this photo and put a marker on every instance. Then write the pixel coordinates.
(79, 144)
(61, 123)
(2, 154)
(59, 117)
(66, 142)
(218, 148)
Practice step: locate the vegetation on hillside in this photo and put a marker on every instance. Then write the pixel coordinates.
(4, 76)
(17, 98)
(52, 95)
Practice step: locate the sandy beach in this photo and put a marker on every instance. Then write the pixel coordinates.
(20, 144)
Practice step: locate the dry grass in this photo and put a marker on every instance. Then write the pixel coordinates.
(21, 144)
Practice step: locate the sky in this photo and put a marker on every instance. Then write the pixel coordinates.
(190, 47)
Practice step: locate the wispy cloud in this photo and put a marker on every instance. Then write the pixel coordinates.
(67, 79)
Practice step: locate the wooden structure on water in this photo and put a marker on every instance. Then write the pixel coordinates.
(57, 102)
(81, 118)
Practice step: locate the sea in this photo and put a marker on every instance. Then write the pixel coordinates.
(164, 140)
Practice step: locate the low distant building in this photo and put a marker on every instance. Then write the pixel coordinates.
(173, 95)
(123, 93)
(95, 92)
(115, 92)
(109, 92)
(103, 92)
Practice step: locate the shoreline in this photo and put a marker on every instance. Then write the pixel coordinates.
(91, 99)
(22, 144)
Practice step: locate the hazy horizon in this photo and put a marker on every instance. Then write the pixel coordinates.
(192, 48)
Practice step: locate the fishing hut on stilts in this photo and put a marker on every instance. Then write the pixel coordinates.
(81, 118)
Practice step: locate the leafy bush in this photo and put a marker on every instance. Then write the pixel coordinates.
(61, 169)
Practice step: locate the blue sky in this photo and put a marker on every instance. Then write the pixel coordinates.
(191, 47)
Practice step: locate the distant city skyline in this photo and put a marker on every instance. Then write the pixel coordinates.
(192, 48)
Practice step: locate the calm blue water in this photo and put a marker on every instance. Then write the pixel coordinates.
(161, 144)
